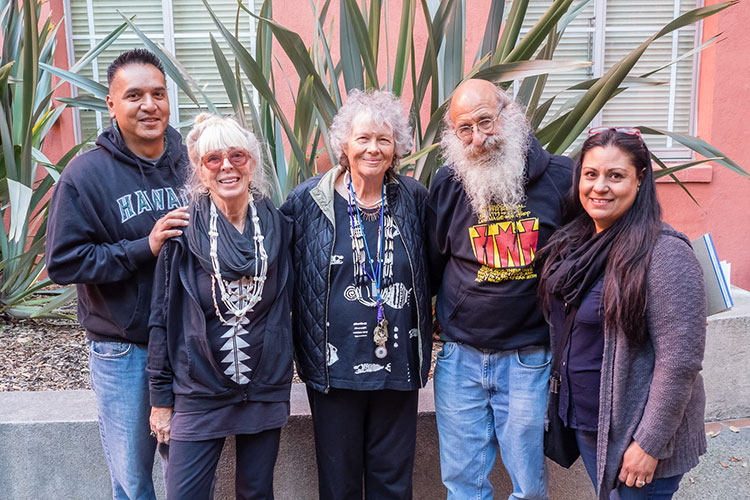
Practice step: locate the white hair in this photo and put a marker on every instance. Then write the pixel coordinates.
(212, 133)
(383, 108)
(496, 171)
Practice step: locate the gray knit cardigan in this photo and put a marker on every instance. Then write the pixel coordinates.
(654, 394)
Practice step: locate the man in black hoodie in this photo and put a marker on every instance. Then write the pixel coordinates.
(112, 210)
(492, 207)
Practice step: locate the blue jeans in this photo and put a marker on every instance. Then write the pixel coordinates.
(659, 489)
(119, 380)
(483, 399)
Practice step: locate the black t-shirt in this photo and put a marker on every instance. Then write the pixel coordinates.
(579, 390)
(353, 317)
(239, 364)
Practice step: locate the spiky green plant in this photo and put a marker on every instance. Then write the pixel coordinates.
(503, 57)
(26, 117)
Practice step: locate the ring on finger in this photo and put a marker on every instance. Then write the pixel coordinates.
(640, 482)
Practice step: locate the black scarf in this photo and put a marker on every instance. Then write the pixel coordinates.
(573, 274)
(236, 252)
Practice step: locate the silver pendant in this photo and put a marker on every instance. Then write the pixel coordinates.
(380, 334)
(380, 337)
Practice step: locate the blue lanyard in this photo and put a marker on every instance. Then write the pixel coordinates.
(377, 268)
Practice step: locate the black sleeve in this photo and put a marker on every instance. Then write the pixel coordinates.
(158, 367)
(437, 234)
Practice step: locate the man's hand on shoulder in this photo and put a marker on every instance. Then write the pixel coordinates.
(167, 227)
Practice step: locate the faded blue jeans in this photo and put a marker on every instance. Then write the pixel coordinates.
(119, 380)
(484, 399)
(662, 488)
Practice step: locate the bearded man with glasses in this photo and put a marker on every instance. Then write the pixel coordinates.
(492, 206)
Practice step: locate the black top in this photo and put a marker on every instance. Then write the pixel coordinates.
(582, 364)
(310, 208)
(236, 349)
(247, 417)
(182, 365)
(101, 214)
(352, 360)
(486, 267)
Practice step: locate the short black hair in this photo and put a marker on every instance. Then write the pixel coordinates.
(135, 56)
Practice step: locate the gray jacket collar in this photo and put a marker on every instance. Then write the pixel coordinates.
(323, 193)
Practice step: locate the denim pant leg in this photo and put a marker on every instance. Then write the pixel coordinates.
(586, 441)
(519, 398)
(659, 489)
(119, 380)
(468, 446)
(662, 488)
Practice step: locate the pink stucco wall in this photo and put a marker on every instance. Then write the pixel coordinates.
(61, 137)
(724, 84)
(723, 106)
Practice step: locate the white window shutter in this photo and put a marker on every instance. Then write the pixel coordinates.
(190, 23)
(668, 106)
(626, 24)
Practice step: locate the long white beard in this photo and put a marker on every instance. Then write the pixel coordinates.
(493, 173)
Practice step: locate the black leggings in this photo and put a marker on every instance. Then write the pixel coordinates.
(364, 436)
(192, 464)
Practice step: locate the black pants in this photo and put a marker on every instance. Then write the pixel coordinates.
(367, 435)
(192, 465)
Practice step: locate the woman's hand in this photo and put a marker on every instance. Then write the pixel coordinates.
(637, 466)
(160, 419)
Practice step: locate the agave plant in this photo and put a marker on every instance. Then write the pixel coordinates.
(26, 116)
(503, 57)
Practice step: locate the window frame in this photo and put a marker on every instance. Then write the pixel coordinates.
(674, 152)
(598, 31)
(167, 37)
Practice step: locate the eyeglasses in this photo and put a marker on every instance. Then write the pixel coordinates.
(622, 130)
(237, 157)
(485, 126)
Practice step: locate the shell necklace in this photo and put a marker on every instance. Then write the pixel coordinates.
(240, 300)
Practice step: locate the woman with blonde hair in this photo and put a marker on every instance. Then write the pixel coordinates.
(220, 351)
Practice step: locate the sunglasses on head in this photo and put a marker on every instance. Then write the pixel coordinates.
(213, 160)
(623, 130)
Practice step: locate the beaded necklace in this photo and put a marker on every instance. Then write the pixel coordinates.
(248, 293)
(380, 272)
(239, 296)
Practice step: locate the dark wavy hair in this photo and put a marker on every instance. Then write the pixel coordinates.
(625, 278)
(135, 56)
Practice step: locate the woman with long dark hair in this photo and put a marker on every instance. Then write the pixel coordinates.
(624, 296)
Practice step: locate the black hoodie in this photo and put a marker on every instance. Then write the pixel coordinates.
(486, 270)
(101, 213)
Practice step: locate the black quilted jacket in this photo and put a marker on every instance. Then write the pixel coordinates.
(310, 206)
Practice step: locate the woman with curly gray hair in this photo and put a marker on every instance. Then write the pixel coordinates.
(361, 307)
(220, 350)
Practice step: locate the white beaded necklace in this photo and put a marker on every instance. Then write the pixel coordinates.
(248, 292)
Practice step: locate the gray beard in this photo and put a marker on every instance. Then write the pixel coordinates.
(493, 173)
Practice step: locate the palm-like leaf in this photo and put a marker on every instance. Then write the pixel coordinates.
(26, 117)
